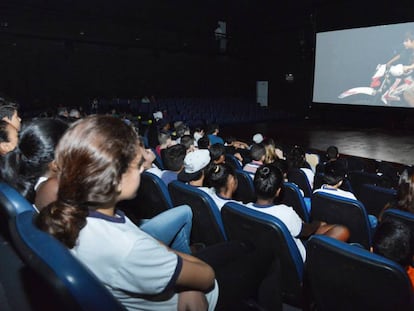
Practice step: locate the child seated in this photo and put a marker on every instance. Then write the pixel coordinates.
(394, 240)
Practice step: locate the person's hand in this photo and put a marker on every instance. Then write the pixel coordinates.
(192, 301)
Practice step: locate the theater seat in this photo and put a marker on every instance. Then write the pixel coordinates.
(268, 232)
(403, 216)
(375, 198)
(291, 196)
(245, 189)
(347, 277)
(152, 199)
(298, 177)
(72, 283)
(339, 210)
(207, 224)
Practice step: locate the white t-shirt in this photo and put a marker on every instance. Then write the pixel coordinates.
(310, 175)
(131, 263)
(219, 200)
(338, 192)
(289, 217)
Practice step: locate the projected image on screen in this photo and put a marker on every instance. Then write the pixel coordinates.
(365, 66)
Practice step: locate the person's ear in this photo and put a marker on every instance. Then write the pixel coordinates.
(5, 147)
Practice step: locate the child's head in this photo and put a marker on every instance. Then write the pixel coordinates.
(334, 173)
(296, 157)
(164, 137)
(37, 144)
(267, 181)
(173, 157)
(99, 163)
(394, 240)
(258, 152)
(8, 137)
(217, 153)
(332, 153)
(9, 113)
(222, 178)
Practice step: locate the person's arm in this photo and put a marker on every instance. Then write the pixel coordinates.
(192, 301)
(309, 228)
(195, 274)
(392, 60)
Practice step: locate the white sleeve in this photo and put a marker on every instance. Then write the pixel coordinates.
(148, 268)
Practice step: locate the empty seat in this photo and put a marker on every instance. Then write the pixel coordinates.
(375, 198)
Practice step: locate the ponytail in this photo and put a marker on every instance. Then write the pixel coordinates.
(63, 221)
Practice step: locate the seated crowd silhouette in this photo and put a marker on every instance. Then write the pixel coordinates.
(96, 217)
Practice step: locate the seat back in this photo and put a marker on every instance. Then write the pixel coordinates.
(403, 216)
(245, 189)
(265, 231)
(359, 178)
(375, 198)
(233, 161)
(207, 224)
(76, 286)
(291, 196)
(11, 202)
(152, 199)
(158, 160)
(346, 277)
(339, 210)
(298, 177)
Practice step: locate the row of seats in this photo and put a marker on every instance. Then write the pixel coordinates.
(328, 260)
(195, 111)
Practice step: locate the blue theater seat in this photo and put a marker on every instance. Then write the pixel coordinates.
(73, 284)
(207, 224)
(268, 232)
(347, 277)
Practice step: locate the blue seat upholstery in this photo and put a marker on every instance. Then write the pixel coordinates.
(298, 177)
(359, 178)
(403, 216)
(291, 196)
(375, 198)
(158, 160)
(75, 285)
(207, 224)
(265, 231)
(152, 199)
(233, 161)
(339, 210)
(346, 277)
(245, 189)
(11, 202)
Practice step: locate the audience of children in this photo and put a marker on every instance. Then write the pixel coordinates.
(104, 168)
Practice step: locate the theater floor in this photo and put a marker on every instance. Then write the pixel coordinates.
(396, 146)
